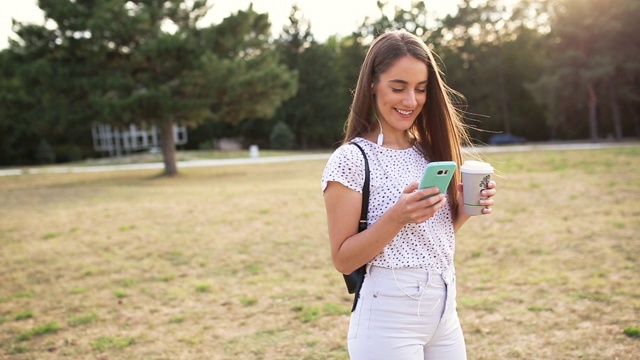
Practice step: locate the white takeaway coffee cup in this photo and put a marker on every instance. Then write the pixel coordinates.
(475, 177)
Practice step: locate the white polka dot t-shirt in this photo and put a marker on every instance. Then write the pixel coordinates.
(429, 245)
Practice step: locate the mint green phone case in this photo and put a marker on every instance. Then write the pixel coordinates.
(438, 174)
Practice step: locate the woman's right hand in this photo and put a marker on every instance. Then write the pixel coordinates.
(349, 248)
(416, 206)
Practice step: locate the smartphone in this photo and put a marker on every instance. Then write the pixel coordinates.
(438, 174)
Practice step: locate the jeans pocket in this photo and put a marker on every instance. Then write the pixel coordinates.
(396, 288)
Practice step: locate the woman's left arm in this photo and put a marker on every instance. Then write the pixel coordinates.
(462, 217)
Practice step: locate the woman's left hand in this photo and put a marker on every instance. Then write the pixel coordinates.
(488, 195)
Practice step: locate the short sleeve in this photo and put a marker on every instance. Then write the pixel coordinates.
(346, 166)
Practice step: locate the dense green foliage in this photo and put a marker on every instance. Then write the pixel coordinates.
(542, 69)
(281, 137)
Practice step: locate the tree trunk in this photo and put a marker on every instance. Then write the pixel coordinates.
(615, 112)
(593, 119)
(168, 148)
(636, 119)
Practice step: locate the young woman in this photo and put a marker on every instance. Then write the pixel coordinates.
(403, 117)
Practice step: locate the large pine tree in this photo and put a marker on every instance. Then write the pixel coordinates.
(152, 62)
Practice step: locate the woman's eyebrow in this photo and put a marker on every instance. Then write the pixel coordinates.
(404, 82)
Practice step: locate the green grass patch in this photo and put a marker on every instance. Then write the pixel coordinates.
(176, 257)
(16, 349)
(248, 301)
(167, 277)
(78, 290)
(23, 315)
(126, 283)
(593, 297)
(536, 308)
(478, 303)
(307, 313)
(335, 309)
(120, 294)
(126, 228)
(203, 288)
(105, 343)
(177, 319)
(87, 273)
(39, 330)
(25, 294)
(632, 331)
(83, 319)
(253, 269)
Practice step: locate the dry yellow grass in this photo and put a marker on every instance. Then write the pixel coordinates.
(233, 263)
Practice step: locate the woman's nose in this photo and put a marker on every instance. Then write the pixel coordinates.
(410, 99)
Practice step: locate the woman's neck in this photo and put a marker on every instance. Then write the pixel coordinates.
(394, 140)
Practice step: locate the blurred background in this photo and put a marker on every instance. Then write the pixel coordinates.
(194, 75)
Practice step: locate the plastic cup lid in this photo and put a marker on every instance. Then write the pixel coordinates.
(476, 167)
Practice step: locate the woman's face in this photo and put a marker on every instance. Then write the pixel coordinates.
(400, 93)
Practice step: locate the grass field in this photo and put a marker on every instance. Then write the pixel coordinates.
(233, 263)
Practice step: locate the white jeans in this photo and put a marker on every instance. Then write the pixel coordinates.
(406, 314)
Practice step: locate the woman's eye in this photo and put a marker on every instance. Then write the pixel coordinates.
(422, 91)
(397, 90)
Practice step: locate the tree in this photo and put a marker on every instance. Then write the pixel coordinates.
(491, 51)
(316, 113)
(18, 140)
(281, 137)
(149, 62)
(38, 85)
(592, 60)
(417, 20)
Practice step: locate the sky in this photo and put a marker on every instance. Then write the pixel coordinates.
(327, 17)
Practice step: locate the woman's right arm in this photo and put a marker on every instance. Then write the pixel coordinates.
(350, 249)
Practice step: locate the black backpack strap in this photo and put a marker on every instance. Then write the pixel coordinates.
(362, 225)
(365, 192)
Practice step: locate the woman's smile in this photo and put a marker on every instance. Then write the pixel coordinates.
(404, 113)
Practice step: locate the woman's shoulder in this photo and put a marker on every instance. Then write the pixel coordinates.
(348, 158)
(350, 151)
(345, 166)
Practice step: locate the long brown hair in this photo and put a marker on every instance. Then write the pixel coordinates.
(439, 129)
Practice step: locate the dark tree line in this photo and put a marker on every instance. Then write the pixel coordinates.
(542, 69)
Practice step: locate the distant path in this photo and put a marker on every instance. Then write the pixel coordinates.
(277, 159)
(160, 165)
(555, 146)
